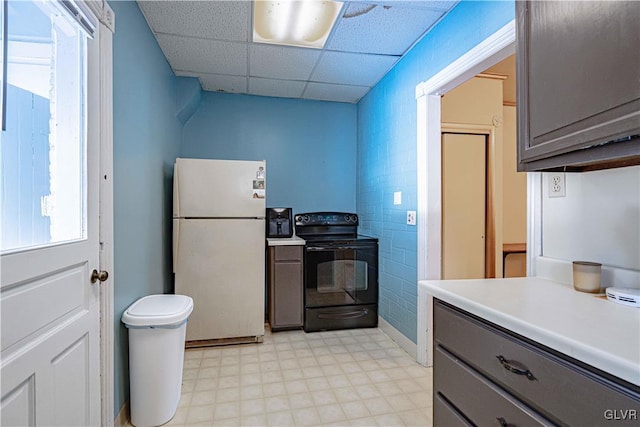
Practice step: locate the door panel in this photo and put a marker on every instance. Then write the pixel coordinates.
(206, 188)
(55, 381)
(37, 295)
(463, 206)
(288, 300)
(70, 390)
(18, 406)
(220, 264)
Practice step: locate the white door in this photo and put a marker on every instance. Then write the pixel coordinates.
(220, 263)
(50, 309)
(463, 206)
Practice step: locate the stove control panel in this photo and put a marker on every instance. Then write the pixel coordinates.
(325, 218)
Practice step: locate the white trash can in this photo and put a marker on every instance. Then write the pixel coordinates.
(157, 326)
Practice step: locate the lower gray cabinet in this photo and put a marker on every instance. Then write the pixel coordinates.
(448, 415)
(481, 401)
(487, 375)
(285, 287)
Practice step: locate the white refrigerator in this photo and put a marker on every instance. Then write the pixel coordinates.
(219, 247)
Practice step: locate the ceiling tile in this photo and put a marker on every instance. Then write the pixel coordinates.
(352, 68)
(212, 40)
(179, 73)
(272, 87)
(222, 20)
(281, 62)
(332, 92)
(222, 83)
(383, 31)
(206, 56)
(443, 5)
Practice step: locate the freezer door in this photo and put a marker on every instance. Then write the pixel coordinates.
(220, 263)
(206, 188)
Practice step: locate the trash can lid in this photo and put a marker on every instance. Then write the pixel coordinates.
(158, 310)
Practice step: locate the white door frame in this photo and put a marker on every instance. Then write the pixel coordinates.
(106, 17)
(490, 51)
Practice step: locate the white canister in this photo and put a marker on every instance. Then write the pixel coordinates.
(586, 276)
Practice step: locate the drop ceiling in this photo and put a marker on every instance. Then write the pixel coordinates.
(212, 40)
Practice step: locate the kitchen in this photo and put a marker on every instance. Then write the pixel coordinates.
(375, 140)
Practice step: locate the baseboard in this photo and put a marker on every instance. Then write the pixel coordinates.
(122, 420)
(398, 337)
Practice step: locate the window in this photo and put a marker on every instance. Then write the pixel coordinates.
(43, 146)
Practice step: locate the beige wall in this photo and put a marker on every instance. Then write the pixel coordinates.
(507, 67)
(514, 184)
(476, 101)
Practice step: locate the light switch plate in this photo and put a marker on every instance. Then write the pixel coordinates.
(411, 217)
(397, 198)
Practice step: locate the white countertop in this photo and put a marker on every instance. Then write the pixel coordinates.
(285, 241)
(593, 330)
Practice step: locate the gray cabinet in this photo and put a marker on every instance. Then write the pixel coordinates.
(578, 84)
(487, 375)
(285, 287)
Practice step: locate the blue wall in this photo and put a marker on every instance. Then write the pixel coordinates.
(145, 144)
(320, 155)
(309, 146)
(387, 150)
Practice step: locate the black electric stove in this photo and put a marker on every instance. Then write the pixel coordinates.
(341, 272)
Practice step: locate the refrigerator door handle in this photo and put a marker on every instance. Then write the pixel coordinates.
(176, 192)
(175, 243)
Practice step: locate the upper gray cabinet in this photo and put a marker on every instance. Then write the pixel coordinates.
(578, 73)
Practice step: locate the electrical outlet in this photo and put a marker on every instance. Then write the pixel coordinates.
(557, 186)
(411, 217)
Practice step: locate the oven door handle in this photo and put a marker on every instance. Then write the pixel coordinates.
(331, 248)
(346, 315)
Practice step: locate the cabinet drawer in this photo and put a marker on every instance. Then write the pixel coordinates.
(479, 400)
(445, 415)
(555, 387)
(288, 253)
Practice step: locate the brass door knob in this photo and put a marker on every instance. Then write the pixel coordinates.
(99, 275)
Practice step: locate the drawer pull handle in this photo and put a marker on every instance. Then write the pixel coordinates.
(503, 422)
(346, 315)
(518, 371)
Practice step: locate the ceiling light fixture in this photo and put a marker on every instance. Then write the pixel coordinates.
(305, 23)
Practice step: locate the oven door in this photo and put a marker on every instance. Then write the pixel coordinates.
(340, 275)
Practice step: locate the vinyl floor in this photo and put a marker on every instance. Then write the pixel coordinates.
(357, 377)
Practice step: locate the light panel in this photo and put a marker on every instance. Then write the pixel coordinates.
(305, 23)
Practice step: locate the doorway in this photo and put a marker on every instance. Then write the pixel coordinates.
(492, 50)
(474, 109)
